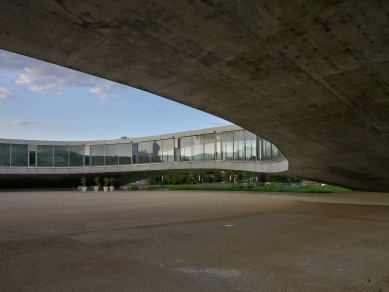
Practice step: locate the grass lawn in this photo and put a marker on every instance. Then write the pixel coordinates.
(273, 188)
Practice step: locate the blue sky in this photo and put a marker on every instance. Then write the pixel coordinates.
(42, 101)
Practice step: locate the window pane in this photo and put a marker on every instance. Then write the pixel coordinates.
(251, 146)
(19, 155)
(45, 155)
(156, 151)
(276, 154)
(168, 150)
(197, 147)
(186, 148)
(218, 146)
(61, 155)
(209, 146)
(135, 153)
(124, 154)
(97, 155)
(76, 155)
(227, 145)
(88, 160)
(144, 152)
(4, 154)
(111, 154)
(239, 151)
(266, 150)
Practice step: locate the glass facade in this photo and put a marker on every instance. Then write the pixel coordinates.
(5, 154)
(124, 153)
(209, 146)
(144, 152)
(228, 145)
(156, 151)
(97, 155)
(19, 155)
(185, 146)
(197, 148)
(111, 154)
(251, 146)
(76, 155)
(61, 155)
(239, 145)
(266, 150)
(45, 156)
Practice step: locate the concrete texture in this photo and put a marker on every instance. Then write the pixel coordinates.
(309, 76)
(193, 241)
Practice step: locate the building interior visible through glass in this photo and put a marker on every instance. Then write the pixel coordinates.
(231, 145)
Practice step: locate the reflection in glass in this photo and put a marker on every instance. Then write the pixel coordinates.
(209, 146)
(239, 153)
(124, 154)
(45, 155)
(251, 146)
(185, 148)
(97, 155)
(61, 155)
(276, 154)
(19, 155)
(156, 151)
(134, 152)
(266, 150)
(111, 154)
(144, 152)
(197, 148)
(228, 145)
(218, 146)
(168, 150)
(76, 155)
(4, 154)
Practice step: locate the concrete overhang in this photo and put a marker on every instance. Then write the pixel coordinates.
(312, 77)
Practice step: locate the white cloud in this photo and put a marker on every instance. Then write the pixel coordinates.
(23, 123)
(5, 93)
(43, 77)
(220, 124)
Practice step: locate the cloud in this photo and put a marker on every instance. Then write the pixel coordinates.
(43, 77)
(5, 93)
(23, 123)
(220, 124)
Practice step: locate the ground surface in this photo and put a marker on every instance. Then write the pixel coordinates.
(181, 241)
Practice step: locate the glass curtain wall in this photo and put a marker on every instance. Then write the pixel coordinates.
(228, 145)
(61, 155)
(266, 150)
(156, 151)
(168, 150)
(111, 154)
(5, 151)
(134, 152)
(209, 146)
(185, 148)
(76, 155)
(32, 155)
(276, 154)
(144, 152)
(239, 147)
(218, 144)
(124, 154)
(19, 155)
(97, 155)
(251, 146)
(45, 155)
(197, 148)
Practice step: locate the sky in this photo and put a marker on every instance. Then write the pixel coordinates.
(42, 101)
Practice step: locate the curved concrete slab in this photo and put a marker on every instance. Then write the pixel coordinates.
(311, 77)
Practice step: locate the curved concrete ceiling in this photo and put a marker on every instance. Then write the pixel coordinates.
(309, 76)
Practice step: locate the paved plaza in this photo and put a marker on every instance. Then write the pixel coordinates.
(193, 241)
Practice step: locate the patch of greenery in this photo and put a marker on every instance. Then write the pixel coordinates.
(297, 188)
